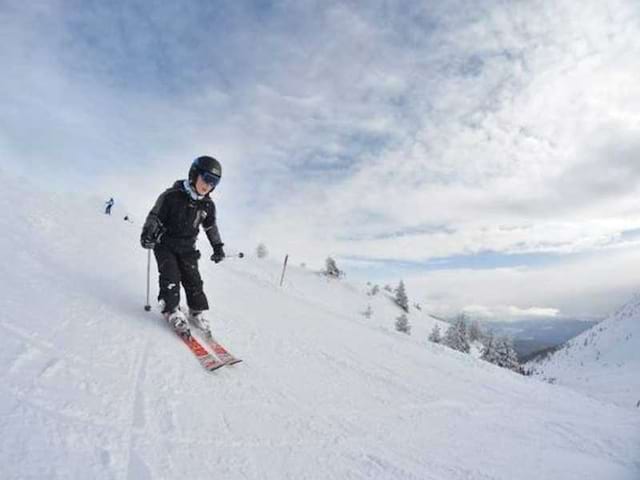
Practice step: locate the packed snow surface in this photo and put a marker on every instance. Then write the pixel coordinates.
(93, 387)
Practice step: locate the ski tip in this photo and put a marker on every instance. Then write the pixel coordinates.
(214, 367)
(233, 362)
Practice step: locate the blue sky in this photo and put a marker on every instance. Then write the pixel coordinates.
(467, 147)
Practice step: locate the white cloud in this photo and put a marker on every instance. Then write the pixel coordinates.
(495, 147)
(509, 312)
(579, 287)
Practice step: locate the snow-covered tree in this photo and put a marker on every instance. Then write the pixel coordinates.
(489, 349)
(374, 291)
(500, 352)
(475, 332)
(402, 324)
(506, 355)
(457, 336)
(388, 288)
(331, 268)
(261, 251)
(368, 312)
(435, 336)
(401, 298)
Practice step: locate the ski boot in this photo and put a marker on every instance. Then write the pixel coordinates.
(198, 320)
(178, 322)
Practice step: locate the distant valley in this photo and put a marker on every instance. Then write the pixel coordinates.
(531, 336)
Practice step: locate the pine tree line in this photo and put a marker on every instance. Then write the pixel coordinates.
(460, 335)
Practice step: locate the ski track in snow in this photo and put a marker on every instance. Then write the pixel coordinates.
(137, 469)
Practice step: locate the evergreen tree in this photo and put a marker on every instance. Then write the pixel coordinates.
(368, 312)
(261, 251)
(475, 332)
(401, 298)
(500, 352)
(402, 324)
(435, 335)
(374, 290)
(457, 336)
(489, 349)
(331, 268)
(506, 355)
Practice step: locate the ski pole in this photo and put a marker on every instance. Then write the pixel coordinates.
(230, 255)
(147, 307)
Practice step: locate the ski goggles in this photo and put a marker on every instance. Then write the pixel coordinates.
(211, 179)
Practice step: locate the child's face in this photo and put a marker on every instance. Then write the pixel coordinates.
(202, 187)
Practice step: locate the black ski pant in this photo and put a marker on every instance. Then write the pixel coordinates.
(175, 268)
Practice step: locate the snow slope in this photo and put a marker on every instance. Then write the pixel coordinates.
(604, 361)
(92, 387)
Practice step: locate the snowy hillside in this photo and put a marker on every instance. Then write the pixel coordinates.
(93, 387)
(604, 361)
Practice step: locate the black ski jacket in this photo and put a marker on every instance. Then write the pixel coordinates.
(178, 216)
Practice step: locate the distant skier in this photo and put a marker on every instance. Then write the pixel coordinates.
(171, 229)
(108, 206)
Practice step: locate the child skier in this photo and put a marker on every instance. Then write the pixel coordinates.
(171, 229)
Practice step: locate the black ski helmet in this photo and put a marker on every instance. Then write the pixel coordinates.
(208, 167)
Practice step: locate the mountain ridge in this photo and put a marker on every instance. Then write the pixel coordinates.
(602, 361)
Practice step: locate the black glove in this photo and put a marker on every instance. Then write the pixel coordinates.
(147, 242)
(218, 253)
(151, 232)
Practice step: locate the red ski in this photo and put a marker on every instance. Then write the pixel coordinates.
(208, 361)
(220, 351)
